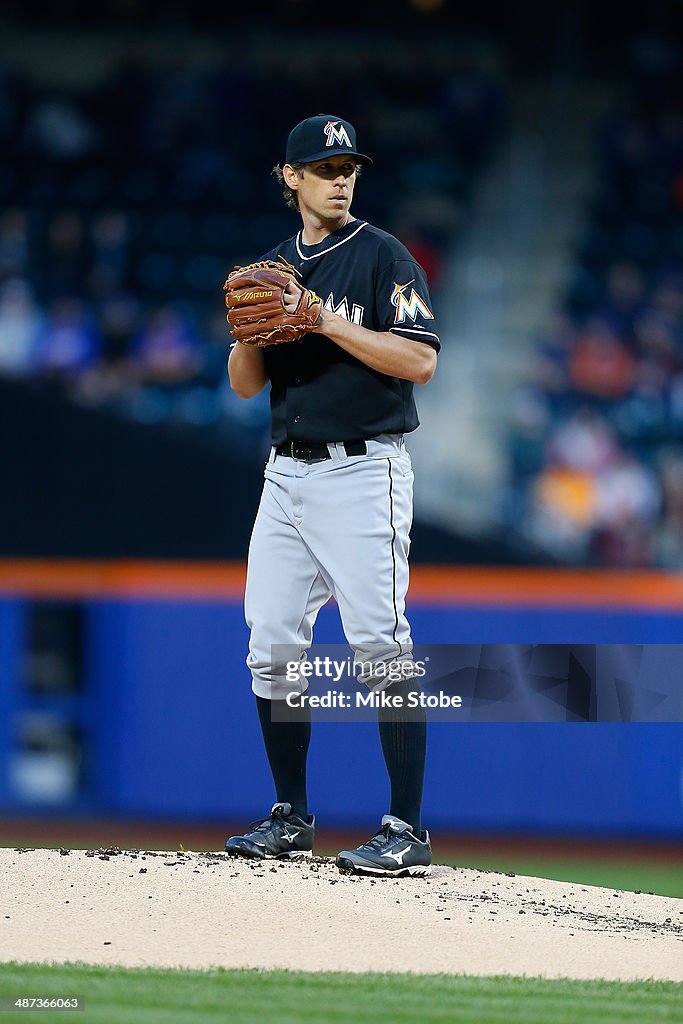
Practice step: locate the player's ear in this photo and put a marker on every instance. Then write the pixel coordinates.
(291, 175)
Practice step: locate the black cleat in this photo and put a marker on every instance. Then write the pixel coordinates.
(281, 835)
(393, 851)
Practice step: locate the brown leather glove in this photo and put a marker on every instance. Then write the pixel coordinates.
(254, 295)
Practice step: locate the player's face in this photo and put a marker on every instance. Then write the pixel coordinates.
(325, 188)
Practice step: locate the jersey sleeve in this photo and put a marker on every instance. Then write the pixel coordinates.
(403, 303)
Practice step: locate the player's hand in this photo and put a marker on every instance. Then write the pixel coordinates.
(291, 296)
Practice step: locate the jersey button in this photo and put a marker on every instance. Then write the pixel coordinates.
(297, 380)
(297, 419)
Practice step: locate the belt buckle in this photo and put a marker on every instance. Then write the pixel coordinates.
(300, 452)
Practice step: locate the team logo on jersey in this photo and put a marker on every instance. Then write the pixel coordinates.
(342, 309)
(409, 306)
(336, 132)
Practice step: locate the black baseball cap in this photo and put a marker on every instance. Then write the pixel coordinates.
(321, 136)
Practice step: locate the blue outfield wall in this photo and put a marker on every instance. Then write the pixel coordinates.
(171, 729)
(182, 738)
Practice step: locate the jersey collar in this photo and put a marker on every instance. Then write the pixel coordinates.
(333, 241)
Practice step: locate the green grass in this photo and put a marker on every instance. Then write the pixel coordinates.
(663, 878)
(284, 997)
(651, 877)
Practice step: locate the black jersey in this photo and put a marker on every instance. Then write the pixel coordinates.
(319, 392)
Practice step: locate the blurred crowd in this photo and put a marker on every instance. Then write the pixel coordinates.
(596, 446)
(124, 204)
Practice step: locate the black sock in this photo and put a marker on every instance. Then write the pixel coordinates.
(286, 741)
(403, 734)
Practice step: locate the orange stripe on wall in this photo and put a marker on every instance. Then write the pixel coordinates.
(172, 580)
(443, 585)
(532, 587)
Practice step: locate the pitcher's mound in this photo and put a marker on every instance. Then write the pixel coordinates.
(202, 910)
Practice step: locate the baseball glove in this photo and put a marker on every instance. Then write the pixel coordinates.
(254, 295)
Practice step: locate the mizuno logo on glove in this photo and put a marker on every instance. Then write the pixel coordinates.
(247, 296)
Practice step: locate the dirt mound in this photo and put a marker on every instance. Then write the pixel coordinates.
(200, 910)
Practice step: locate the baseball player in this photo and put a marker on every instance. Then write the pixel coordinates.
(336, 508)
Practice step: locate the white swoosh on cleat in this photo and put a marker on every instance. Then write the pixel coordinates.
(398, 857)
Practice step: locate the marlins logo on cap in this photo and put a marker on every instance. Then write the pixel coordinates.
(336, 132)
(321, 136)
